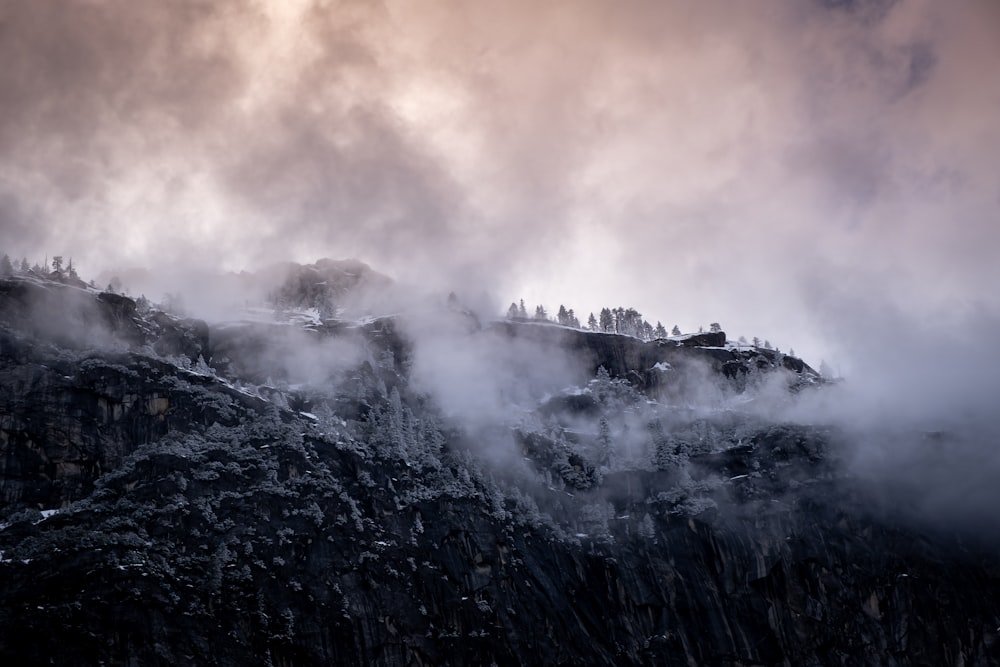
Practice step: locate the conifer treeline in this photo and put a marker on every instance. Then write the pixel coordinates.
(620, 320)
(625, 321)
(57, 269)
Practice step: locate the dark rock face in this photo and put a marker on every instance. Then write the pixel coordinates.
(202, 522)
(644, 363)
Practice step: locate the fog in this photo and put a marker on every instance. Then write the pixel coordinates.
(711, 159)
(819, 174)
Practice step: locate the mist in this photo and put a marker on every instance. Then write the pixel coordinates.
(819, 174)
(696, 151)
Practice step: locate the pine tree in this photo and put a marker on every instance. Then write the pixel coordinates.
(540, 313)
(592, 322)
(715, 327)
(6, 268)
(522, 312)
(660, 331)
(676, 331)
(512, 311)
(607, 321)
(562, 317)
(647, 330)
(57, 264)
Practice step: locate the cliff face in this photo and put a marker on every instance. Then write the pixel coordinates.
(157, 509)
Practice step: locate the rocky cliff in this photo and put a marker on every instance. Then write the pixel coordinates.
(168, 497)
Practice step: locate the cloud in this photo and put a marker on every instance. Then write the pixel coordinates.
(699, 160)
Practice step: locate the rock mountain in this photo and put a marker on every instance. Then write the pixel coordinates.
(447, 492)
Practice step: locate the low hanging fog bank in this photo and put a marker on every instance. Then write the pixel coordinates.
(916, 404)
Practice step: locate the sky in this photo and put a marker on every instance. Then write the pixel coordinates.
(819, 173)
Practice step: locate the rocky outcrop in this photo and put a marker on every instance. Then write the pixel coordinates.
(646, 364)
(82, 318)
(154, 513)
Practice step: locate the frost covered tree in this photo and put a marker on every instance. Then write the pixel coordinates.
(628, 321)
(592, 322)
(647, 529)
(6, 268)
(607, 320)
(540, 313)
(57, 264)
(676, 331)
(660, 331)
(512, 312)
(715, 327)
(522, 312)
(562, 316)
(603, 441)
(594, 518)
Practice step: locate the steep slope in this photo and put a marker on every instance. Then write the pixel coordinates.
(165, 501)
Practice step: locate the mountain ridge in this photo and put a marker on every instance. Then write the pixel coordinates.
(165, 501)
